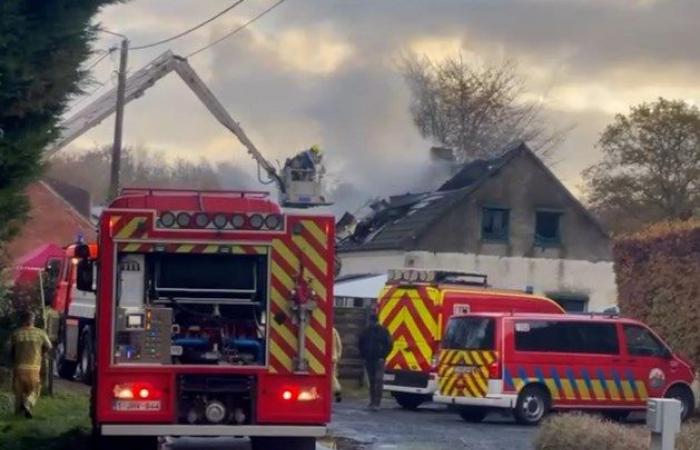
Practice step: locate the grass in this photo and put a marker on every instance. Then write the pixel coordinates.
(60, 422)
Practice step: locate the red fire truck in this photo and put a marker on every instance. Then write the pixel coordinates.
(213, 318)
(415, 306)
(72, 323)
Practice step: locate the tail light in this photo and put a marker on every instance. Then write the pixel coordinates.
(135, 391)
(301, 395)
(495, 370)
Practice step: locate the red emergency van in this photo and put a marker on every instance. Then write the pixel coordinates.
(415, 306)
(533, 363)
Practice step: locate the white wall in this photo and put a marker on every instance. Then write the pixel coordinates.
(546, 276)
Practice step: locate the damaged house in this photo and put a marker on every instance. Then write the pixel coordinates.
(508, 217)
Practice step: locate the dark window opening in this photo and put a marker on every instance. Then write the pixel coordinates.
(571, 303)
(566, 337)
(547, 228)
(494, 224)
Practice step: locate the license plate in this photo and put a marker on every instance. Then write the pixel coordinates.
(389, 377)
(464, 369)
(176, 350)
(136, 405)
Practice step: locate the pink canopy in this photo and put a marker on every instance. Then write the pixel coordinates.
(27, 266)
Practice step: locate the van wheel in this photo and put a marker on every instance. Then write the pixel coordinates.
(282, 443)
(473, 414)
(686, 397)
(532, 405)
(619, 415)
(63, 368)
(408, 401)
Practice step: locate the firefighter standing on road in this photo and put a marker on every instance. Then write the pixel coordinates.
(27, 348)
(337, 353)
(375, 344)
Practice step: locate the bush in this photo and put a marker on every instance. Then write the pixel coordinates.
(689, 437)
(586, 432)
(658, 280)
(12, 302)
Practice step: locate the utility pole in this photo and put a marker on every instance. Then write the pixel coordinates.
(118, 122)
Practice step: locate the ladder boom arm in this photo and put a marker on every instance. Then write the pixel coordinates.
(136, 84)
(102, 107)
(190, 77)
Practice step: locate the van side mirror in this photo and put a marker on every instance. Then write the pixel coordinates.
(84, 276)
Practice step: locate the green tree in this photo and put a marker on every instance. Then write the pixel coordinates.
(650, 170)
(42, 46)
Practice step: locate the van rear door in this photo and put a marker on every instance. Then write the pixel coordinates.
(412, 316)
(468, 351)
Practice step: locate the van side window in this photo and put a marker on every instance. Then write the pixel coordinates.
(566, 337)
(640, 342)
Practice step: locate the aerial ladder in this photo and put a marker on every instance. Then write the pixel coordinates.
(298, 187)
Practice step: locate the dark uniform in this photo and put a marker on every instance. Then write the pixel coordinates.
(375, 344)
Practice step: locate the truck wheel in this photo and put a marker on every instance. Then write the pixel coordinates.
(532, 405)
(282, 443)
(64, 368)
(87, 357)
(686, 397)
(408, 401)
(473, 414)
(122, 442)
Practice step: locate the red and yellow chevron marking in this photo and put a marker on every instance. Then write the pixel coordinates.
(139, 247)
(411, 316)
(310, 252)
(129, 227)
(464, 373)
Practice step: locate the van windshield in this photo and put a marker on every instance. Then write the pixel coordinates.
(469, 333)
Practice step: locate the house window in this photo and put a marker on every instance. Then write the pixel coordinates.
(572, 303)
(494, 224)
(547, 228)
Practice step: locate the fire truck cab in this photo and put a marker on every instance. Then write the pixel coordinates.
(72, 318)
(415, 306)
(214, 318)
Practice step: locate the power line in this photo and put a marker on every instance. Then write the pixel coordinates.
(188, 31)
(99, 60)
(236, 30)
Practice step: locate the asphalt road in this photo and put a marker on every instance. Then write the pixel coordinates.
(431, 427)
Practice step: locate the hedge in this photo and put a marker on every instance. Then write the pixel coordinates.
(658, 281)
(577, 431)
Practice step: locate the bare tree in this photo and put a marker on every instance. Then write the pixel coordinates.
(476, 111)
(141, 167)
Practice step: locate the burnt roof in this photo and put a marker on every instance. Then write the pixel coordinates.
(397, 221)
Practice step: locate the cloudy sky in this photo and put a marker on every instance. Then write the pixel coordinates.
(324, 71)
